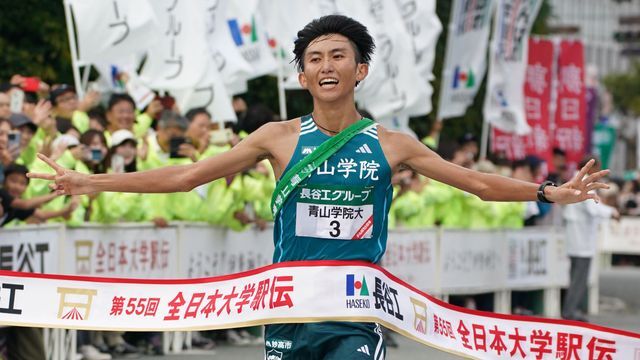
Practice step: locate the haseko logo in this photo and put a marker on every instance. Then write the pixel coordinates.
(463, 78)
(357, 287)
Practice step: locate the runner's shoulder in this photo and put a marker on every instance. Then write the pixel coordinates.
(393, 137)
(280, 128)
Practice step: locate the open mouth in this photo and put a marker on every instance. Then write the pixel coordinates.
(328, 83)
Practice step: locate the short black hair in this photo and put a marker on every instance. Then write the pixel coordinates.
(257, 115)
(588, 158)
(192, 113)
(357, 34)
(116, 98)
(559, 152)
(14, 168)
(30, 97)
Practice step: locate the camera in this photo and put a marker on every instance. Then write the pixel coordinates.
(174, 146)
(96, 155)
(14, 139)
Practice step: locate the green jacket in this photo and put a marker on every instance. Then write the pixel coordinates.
(175, 206)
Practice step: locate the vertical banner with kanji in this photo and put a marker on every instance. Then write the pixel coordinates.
(504, 99)
(537, 98)
(571, 107)
(465, 58)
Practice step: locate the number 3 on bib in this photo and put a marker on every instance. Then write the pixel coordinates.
(335, 212)
(336, 228)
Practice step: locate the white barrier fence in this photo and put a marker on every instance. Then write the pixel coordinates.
(620, 237)
(441, 262)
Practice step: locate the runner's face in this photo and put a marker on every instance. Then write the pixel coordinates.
(330, 68)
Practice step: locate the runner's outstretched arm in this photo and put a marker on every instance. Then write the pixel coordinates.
(166, 179)
(403, 150)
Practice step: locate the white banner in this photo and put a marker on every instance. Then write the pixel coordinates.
(32, 249)
(210, 93)
(213, 251)
(283, 27)
(465, 58)
(298, 292)
(398, 122)
(424, 27)
(245, 27)
(504, 104)
(412, 256)
(394, 85)
(115, 29)
(230, 63)
(181, 57)
(125, 251)
(471, 263)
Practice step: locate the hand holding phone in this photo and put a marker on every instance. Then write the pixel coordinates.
(17, 99)
(31, 84)
(117, 164)
(95, 155)
(174, 146)
(14, 139)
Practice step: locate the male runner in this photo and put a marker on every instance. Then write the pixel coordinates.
(332, 55)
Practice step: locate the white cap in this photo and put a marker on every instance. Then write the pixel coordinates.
(120, 136)
(68, 140)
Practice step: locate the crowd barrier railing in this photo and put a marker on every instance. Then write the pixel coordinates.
(619, 237)
(442, 262)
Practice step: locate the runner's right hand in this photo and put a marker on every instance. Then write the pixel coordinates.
(65, 181)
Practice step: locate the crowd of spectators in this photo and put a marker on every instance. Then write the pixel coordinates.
(107, 133)
(102, 134)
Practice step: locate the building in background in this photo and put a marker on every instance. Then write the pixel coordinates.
(596, 22)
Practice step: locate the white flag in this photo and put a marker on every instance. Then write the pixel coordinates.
(111, 30)
(231, 65)
(180, 59)
(210, 93)
(465, 57)
(114, 73)
(245, 28)
(423, 27)
(504, 101)
(397, 123)
(283, 26)
(394, 85)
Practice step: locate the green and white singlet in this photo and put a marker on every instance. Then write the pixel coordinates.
(340, 211)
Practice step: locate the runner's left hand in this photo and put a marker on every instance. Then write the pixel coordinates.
(580, 188)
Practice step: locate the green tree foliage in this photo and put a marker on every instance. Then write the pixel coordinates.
(33, 40)
(625, 89)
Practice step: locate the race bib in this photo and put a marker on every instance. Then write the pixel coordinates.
(335, 212)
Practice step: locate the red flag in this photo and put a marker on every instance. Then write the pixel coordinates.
(571, 106)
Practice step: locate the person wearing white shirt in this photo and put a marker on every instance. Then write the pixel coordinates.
(581, 225)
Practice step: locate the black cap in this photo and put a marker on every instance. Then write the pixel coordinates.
(59, 90)
(18, 120)
(533, 161)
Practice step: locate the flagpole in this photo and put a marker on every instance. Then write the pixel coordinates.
(282, 100)
(447, 55)
(74, 50)
(484, 140)
(85, 77)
